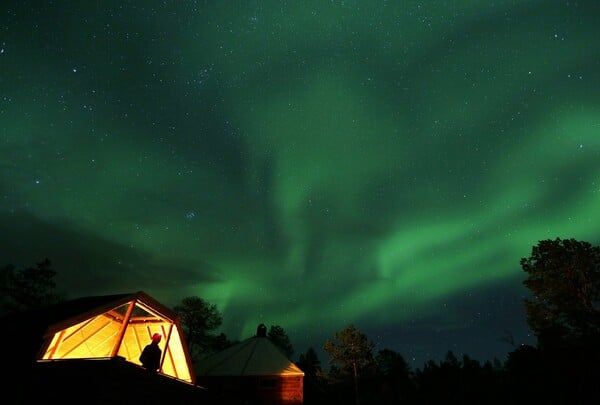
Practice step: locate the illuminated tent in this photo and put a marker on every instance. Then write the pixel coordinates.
(254, 369)
(118, 326)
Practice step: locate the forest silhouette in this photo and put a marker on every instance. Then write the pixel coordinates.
(563, 367)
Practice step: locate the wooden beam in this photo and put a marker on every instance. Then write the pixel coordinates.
(121, 333)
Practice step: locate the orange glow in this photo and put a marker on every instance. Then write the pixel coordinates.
(121, 331)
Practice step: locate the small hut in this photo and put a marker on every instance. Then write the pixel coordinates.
(254, 370)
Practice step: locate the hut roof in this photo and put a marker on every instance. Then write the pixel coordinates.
(255, 356)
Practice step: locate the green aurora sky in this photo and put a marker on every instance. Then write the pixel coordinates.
(303, 163)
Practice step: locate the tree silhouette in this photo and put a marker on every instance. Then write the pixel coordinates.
(310, 363)
(391, 363)
(199, 319)
(221, 342)
(394, 375)
(564, 278)
(313, 377)
(280, 338)
(353, 352)
(27, 289)
(564, 313)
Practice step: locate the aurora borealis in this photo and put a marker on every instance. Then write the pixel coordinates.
(304, 163)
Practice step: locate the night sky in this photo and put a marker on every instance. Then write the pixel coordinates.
(304, 163)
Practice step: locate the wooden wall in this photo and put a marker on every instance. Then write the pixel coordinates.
(263, 390)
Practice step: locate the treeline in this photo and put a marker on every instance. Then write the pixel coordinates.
(563, 277)
(529, 375)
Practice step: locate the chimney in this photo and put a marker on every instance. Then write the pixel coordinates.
(261, 330)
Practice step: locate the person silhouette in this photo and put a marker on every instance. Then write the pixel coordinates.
(150, 356)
